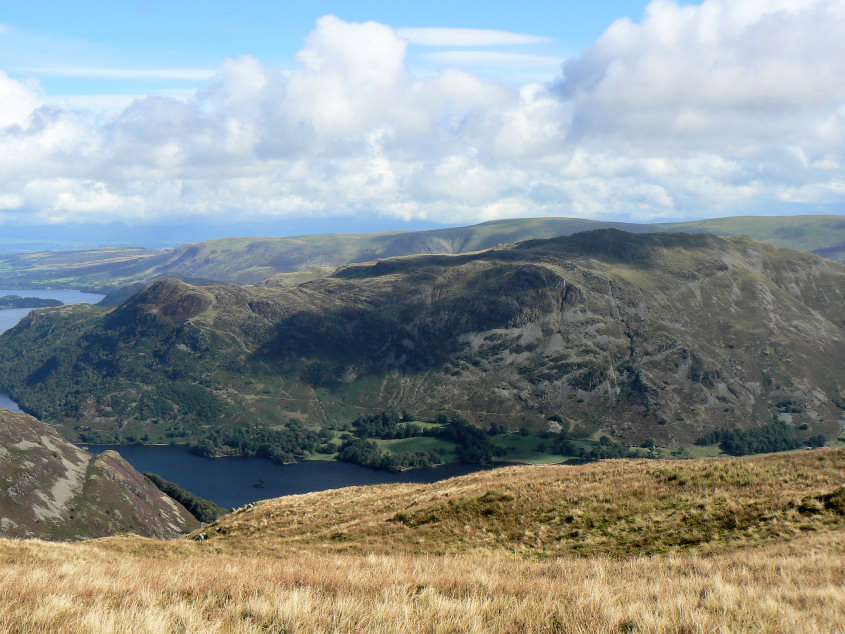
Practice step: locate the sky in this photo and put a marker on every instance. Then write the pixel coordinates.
(155, 112)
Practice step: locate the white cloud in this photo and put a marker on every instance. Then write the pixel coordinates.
(723, 72)
(433, 36)
(116, 102)
(725, 107)
(17, 101)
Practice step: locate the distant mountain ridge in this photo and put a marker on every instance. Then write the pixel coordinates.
(295, 259)
(661, 335)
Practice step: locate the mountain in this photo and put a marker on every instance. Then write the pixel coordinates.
(732, 545)
(293, 260)
(636, 336)
(54, 490)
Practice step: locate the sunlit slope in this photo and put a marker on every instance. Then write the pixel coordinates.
(619, 507)
(292, 260)
(823, 235)
(668, 336)
(751, 544)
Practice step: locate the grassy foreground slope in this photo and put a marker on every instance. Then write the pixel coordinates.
(782, 573)
(292, 260)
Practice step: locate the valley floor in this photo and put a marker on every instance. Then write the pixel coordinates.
(128, 584)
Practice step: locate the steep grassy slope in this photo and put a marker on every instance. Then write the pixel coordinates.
(293, 260)
(656, 335)
(278, 567)
(51, 489)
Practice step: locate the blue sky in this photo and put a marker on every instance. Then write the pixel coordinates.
(455, 112)
(165, 47)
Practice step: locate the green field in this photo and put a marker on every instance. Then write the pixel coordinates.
(420, 443)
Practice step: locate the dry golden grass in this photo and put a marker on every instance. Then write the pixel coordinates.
(271, 571)
(128, 584)
(616, 508)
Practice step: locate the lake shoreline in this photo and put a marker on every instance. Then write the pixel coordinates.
(229, 481)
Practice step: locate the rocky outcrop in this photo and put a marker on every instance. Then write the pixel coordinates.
(52, 489)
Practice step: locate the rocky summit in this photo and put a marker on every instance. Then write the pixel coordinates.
(668, 336)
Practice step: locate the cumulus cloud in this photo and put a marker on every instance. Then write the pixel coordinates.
(16, 101)
(741, 72)
(491, 58)
(725, 107)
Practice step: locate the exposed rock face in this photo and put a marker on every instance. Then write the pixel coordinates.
(651, 335)
(52, 489)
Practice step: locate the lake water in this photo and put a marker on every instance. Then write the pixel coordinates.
(7, 403)
(229, 481)
(9, 318)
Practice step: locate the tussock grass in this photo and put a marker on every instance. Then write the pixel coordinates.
(343, 561)
(615, 508)
(132, 584)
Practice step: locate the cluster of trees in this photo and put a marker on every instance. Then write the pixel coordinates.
(473, 444)
(204, 510)
(776, 436)
(606, 448)
(369, 454)
(386, 425)
(282, 445)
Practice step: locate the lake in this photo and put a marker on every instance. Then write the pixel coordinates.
(9, 318)
(229, 481)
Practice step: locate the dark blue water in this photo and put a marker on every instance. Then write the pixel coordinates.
(229, 481)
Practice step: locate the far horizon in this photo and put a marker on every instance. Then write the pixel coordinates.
(28, 239)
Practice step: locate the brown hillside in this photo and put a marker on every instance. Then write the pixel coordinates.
(618, 507)
(52, 489)
(341, 561)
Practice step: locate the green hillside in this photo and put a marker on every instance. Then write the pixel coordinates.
(633, 336)
(823, 235)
